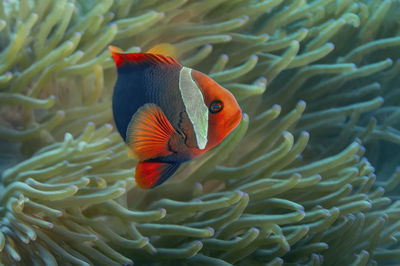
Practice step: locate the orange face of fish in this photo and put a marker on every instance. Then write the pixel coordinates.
(224, 111)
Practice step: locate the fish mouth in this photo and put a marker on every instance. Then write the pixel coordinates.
(236, 118)
(240, 115)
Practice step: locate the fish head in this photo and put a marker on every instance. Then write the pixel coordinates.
(224, 113)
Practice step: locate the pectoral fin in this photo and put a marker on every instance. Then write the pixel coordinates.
(148, 133)
(149, 174)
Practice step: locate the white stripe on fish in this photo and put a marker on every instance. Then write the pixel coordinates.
(194, 104)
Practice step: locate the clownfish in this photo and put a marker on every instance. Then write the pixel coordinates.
(168, 113)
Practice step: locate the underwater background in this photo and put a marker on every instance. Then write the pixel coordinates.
(309, 177)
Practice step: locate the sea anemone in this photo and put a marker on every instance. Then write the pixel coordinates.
(294, 183)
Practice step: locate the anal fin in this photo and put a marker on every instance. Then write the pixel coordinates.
(149, 174)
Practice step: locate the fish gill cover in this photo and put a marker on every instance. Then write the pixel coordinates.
(314, 184)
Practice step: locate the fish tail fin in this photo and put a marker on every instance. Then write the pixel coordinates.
(165, 49)
(149, 174)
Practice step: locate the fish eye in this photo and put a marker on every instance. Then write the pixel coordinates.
(216, 106)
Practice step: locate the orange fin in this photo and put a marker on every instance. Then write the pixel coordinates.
(150, 58)
(165, 49)
(114, 49)
(149, 132)
(150, 174)
(116, 54)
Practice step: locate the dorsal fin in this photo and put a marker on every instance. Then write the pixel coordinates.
(165, 49)
(121, 58)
